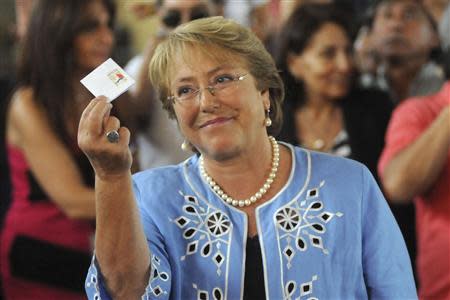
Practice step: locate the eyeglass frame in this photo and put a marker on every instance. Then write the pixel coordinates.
(211, 89)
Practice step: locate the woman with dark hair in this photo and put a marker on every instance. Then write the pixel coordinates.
(47, 234)
(324, 111)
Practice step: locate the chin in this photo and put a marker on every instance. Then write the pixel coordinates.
(338, 93)
(223, 155)
(396, 51)
(97, 60)
(220, 149)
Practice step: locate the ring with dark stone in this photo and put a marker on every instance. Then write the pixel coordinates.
(113, 136)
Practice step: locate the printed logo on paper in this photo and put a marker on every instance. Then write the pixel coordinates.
(117, 77)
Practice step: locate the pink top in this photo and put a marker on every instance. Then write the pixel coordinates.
(35, 217)
(41, 219)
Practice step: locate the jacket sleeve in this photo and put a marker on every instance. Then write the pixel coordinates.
(159, 283)
(386, 263)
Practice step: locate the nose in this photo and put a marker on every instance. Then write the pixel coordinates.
(208, 100)
(396, 22)
(105, 35)
(185, 15)
(344, 62)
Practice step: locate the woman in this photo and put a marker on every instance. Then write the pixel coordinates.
(246, 217)
(323, 110)
(46, 239)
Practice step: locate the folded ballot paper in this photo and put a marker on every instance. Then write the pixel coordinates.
(109, 80)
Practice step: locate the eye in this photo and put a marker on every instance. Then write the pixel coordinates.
(185, 91)
(223, 79)
(328, 53)
(385, 13)
(411, 14)
(88, 26)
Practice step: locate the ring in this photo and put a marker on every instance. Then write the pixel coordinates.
(112, 136)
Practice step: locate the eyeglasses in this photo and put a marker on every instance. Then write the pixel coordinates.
(223, 86)
(173, 16)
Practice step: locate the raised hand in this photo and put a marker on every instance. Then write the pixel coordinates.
(109, 153)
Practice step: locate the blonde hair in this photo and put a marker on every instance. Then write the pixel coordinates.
(232, 41)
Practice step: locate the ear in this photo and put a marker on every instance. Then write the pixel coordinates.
(295, 64)
(265, 94)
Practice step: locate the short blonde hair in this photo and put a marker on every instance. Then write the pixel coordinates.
(230, 39)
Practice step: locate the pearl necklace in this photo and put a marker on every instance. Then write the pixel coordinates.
(262, 191)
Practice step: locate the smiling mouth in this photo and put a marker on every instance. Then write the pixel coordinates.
(341, 81)
(396, 41)
(216, 121)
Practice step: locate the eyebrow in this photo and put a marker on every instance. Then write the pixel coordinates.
(209, 73)
(409, 5)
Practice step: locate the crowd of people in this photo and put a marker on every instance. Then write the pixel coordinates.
(286, 150)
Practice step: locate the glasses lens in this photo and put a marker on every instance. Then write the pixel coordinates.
(172, 18)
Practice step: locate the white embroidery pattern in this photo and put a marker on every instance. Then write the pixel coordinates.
(305, 289)
(207, 229)
(92, 280)
(217, 293)
(301, 224)
(156, 278)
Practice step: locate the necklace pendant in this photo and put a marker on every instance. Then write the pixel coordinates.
(318, 144)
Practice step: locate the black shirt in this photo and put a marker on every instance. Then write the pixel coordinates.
(254, 288)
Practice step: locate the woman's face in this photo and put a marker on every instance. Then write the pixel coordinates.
(325, 65)
(94, 43)
(221, 123)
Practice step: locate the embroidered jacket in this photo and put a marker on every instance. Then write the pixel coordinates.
(328, 234)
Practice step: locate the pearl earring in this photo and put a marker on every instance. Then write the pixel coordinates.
(267, 120)
(185, 145)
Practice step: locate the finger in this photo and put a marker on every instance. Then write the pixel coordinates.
(112, 123)
(105, 118)
(83, 128)
(103, 98)
(88, 109)
(119, 136)
(124, 134)
(93, 103)
(95, 119)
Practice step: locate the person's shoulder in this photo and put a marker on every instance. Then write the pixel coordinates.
(164, 177)
(326, 161)
(165, 174)
(23, 99)
(23, 106)
(413, 106)
(331, 159)
(165, 182)
(338, 171)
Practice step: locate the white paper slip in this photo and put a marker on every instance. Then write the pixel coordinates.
(108, 79)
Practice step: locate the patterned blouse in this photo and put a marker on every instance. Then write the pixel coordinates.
(327, 234)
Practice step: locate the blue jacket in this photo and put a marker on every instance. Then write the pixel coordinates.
(328, 234)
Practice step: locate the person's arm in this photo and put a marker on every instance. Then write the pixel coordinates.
(121, 248)
(413, 170)
(50, 160)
